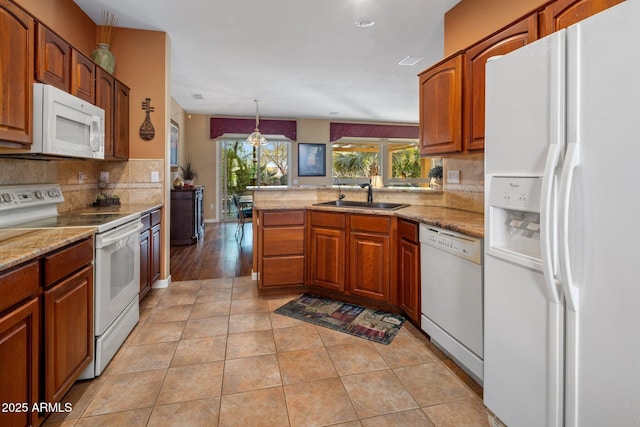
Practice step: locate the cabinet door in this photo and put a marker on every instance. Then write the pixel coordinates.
(53, 59)
(441, 108)
(19, 363)
(327, 250)
(563, 13)
(409, 279)
(155, 252)
(145, 263)
(16, 74)
(105, 87)
(121, 121)
(83, 77)
(68, 320)
(369, 265)
(508, 40)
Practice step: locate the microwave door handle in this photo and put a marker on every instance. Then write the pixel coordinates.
(96, 122)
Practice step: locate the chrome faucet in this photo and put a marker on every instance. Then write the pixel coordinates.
(369, 191)
(340, 195)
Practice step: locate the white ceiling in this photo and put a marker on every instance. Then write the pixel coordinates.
(299, 58)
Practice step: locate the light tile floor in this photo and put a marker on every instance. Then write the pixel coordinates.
(213, 353)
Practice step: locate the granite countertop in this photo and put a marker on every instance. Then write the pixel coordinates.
(18, 246)
(125, 208)
(465, 222)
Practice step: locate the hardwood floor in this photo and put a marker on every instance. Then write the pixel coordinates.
(216, 256)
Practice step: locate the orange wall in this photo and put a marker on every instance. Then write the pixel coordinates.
(65, 18)
(141, 63)
(472, 20)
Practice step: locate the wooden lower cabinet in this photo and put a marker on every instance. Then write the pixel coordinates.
(327, 245)
(19, 363)
(68, 322)
(46, 330)
(150, 250)
(351, 254)
(281, 247)
(369, 256)
(409, 269)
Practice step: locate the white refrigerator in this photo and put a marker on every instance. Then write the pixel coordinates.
(562, 247)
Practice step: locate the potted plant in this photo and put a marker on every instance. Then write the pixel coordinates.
(435, 176)
(188, 173)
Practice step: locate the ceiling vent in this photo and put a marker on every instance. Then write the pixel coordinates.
(410, 60)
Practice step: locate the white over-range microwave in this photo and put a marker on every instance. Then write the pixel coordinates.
(63, 126)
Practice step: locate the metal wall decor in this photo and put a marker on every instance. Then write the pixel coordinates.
(147, 131)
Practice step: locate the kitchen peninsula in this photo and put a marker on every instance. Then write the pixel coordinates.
(362, 254)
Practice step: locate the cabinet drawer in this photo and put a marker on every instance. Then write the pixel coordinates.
(282, 271)
(328, 219)
(146, 221)
(66, 261)
(283, 241)
(375, 223)
(156, 217)
(19, 284)
(276, 218)
(408, 230)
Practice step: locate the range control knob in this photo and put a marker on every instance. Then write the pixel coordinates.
(39, 195)
(6, 197)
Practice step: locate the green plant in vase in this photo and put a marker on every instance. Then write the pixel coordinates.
(188, 173)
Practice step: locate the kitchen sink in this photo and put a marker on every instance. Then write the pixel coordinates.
(363, 205)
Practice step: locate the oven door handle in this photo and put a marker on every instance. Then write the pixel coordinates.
(117, 235)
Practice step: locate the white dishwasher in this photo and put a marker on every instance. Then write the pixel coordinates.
(451, 295)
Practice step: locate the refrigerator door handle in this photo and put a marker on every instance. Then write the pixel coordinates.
(548, 238)
(571, 290)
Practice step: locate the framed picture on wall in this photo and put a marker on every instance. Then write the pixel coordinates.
(174, 139)
(312, 159)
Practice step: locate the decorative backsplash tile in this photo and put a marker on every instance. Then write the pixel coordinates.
(131, 180)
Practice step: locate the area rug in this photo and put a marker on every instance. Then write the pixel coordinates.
(373, 325)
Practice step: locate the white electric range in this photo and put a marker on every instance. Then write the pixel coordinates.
(116, 259)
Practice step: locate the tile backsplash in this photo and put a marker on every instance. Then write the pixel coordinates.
(468, 194)
(131, 180)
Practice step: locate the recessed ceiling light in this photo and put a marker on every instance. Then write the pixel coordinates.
(410, 60)
(365, 23)
(197, 96)
(333, 113)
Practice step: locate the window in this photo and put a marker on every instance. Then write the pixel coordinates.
(243, 166)
(398, 162)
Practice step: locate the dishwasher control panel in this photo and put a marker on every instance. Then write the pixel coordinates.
(466, 247)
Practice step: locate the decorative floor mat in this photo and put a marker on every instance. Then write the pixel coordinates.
(373, 325)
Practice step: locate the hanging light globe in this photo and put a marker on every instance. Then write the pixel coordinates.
(256, 139)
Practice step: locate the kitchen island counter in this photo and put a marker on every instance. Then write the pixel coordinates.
(461, 221)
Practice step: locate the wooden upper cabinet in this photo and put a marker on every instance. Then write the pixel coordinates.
(105, 89)
(83, 76)
(563, 13)
(511, 38)
(16, 74)
(121, 121)
(441, 107)
(53, 58)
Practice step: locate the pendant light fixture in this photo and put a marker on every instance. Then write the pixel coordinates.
(256, 139)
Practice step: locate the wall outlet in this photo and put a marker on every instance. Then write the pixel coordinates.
(453, 176)
(295, 182)
(104, 176)
(155, 176)
(211, 206)
(81, 177)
